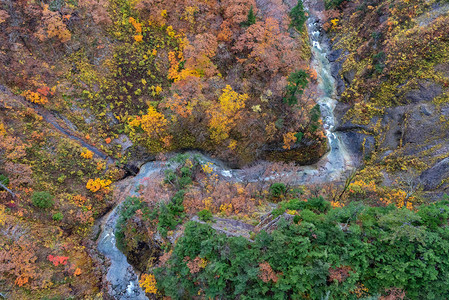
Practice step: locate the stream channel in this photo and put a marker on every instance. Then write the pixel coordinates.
(121, 276)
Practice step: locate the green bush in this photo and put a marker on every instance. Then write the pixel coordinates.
(277, 190)
(324, 256)
(58, 216)
(171, 215)
(4, 180)
(315, 115)
(205, 215)
(299, 136)
(316, 205)
(42, 199)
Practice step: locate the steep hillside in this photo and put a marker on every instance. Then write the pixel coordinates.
(391, 63)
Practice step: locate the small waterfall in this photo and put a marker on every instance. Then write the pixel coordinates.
(337, 160)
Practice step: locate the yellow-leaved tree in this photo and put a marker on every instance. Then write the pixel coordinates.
(148, 282)
(2, 215)
(225, 113)
(154, 125)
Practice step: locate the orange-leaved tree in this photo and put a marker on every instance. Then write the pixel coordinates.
(53, 27)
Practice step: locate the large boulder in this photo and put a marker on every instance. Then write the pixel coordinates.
(425, 91)
(434, 177)
(358, 144)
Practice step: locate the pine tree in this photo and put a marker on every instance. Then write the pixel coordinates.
(251, 18)
(298, 16)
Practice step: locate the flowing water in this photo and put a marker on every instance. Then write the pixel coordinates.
(123, 280)
(337, 161)
(124, 283)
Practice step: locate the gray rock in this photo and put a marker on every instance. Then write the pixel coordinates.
(342, 124)
(139, 155)
(393, 120)
(229, 227)
(443, 68)
(426, 110)
(334, 55)
(124, 141)
(433, 177)
(422, 125)
(349, 76)
(383, 18)
(385, 154)
(340, 87)
(336, 68)
(358, 144)
(426, 91)
(445, 110)
(336, 59)
(112, 120)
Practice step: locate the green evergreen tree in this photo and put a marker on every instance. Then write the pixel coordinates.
(251, 18)
(298, 16)
(297, 82)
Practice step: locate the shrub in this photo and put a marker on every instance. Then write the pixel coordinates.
(277, 189)
(58, 216)
(4, 180)
(42, 199)
(205, 215)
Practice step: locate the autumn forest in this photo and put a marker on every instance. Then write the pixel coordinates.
(224, 149)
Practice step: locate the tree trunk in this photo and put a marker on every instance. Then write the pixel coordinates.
(6, 189)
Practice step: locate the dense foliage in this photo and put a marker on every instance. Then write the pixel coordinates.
(42, 199)
(342, 253)
(127, 210)
(164, 216)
